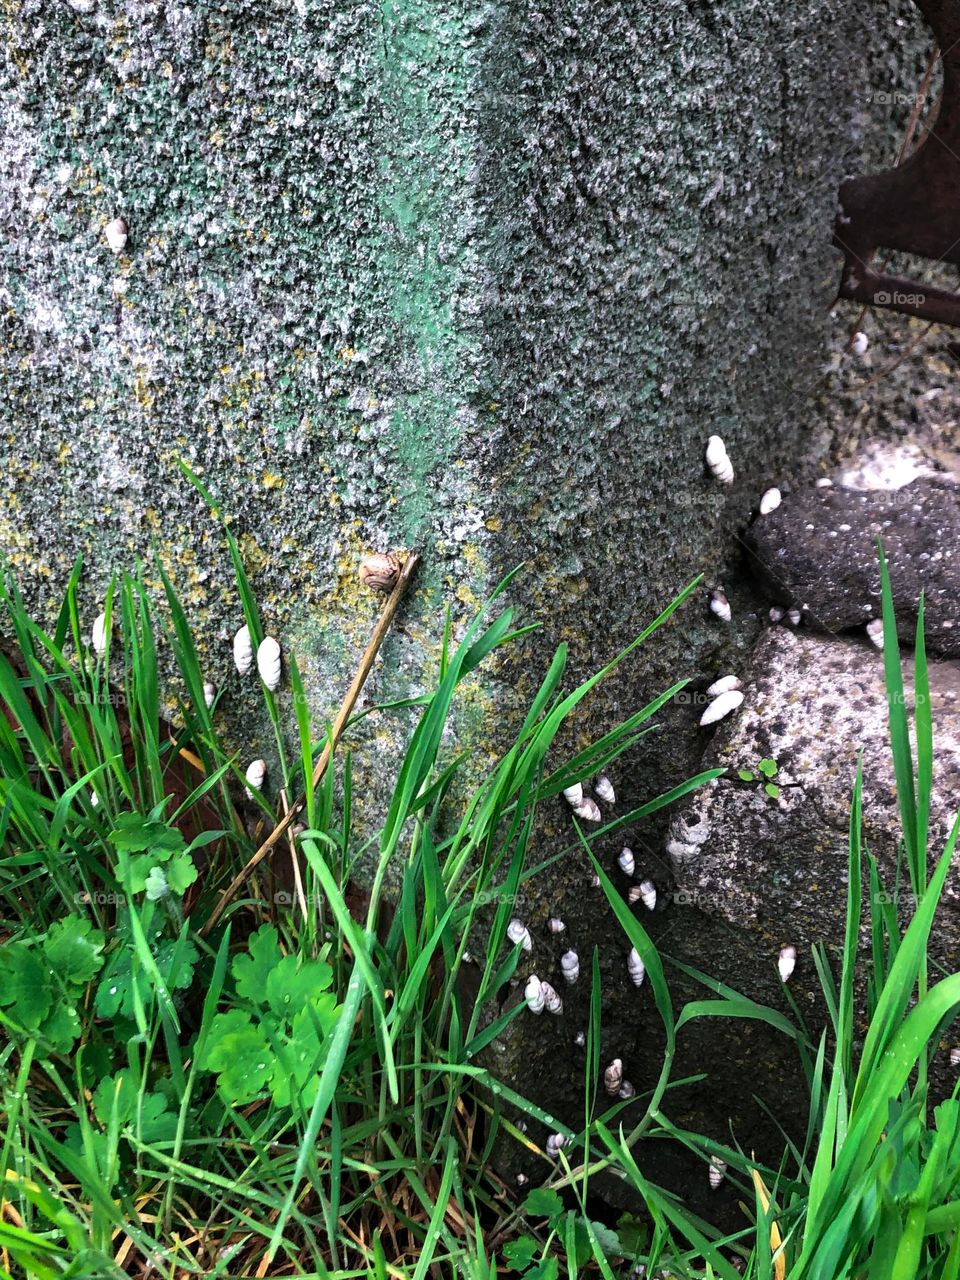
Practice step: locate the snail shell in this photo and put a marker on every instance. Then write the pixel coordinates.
(533, 994)
(726, 684)
(556, 925)
(875, 632)
(522, 1179)
(380, 571)
(115, 234)
(635, 967)
(98, 634)
(648, 894)
(594, 881)
(718, 460)
(268, 662)
(570, 966)
(634, 894)
(551, 1001)
(721, 706)
(720, 605)
(604, 789)
(955, 1057)
(588, 810)
(256, 773)
(517, 931)
(627, 861)
(787, 962)
(574, 794)
(243, 650)
(554, 1143)
(627, 1091)
(824, 483)
(716, 1171)
(859, 344)
(94, 799)
(770, 501)
(613, 1077)
(580, 1039)
(793, 617)
(775, 614)
(209, 693)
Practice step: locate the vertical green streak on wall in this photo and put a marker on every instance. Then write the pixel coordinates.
(423, 202)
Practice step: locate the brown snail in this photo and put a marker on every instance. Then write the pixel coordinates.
(380, 571)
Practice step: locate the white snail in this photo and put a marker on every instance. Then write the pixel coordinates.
(786, 962)
(859, 344)
(722, 706)
(554, 1143)
(604, 789)
(243, 650)
(573, 794)
(612, 1077)
(98, 634)
(770, 501)
(533, 994)
(551, 1000)
(556, 925)
(570, 966)
(115, 234)
(627, 862)
(718, 460)
(793, 617)
(268, 662)
(209, 693)
(875, 632)
(256, 773)
(716, 1171)
(635, 967)
(720, 605)
(517, 931)
(588, 810)
(955, 1057)
(775, 614)
(726, 684)
(627, 1091)
(824, 483)
(648, 894)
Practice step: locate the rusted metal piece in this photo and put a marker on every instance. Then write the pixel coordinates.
(913, 208)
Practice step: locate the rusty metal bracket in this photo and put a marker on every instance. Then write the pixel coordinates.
(913, 208)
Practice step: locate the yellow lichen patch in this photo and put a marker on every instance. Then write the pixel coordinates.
(271, 480)
(63, 453)
(254, 558)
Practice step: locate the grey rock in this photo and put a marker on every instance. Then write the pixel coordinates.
(776, 868)
(818, 551)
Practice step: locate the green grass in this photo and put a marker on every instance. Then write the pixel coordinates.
(306, 1094)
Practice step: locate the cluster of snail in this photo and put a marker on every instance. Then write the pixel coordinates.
(726, 694)
(583, 805)
(379, 571)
